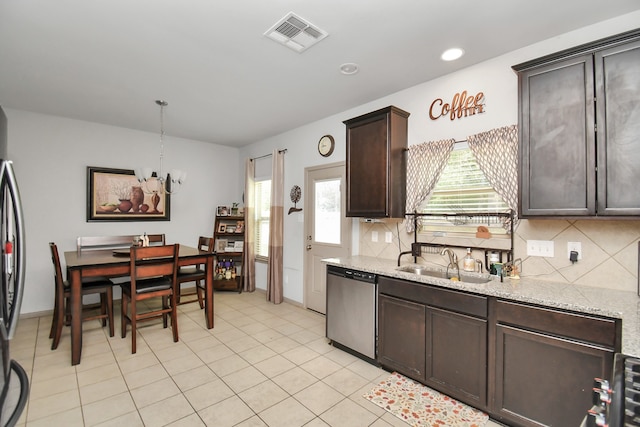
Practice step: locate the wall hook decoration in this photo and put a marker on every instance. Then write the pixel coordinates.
(295, 198)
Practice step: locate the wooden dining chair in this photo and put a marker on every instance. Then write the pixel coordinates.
(90, 285)
(195, 273)
(153, 274)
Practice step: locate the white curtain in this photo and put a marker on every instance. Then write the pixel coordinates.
(425, 163)
(496, 152)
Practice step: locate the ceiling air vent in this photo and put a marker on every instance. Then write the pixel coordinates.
(295, 33)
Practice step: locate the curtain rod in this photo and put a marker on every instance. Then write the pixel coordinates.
(268, 155)
(407, 149)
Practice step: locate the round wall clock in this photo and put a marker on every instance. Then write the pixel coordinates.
(326, 145)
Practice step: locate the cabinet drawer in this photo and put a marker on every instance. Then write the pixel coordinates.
(461, 302)
(579, 326)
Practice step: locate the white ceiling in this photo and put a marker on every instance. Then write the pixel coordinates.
(107, 61)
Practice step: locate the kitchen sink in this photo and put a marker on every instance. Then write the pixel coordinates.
(422, 271)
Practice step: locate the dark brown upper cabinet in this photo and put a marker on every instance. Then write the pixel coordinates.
(377, 164)
(579, 124)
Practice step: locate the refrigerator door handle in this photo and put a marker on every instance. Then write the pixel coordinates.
(19, 247)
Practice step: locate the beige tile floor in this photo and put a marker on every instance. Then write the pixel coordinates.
(262, 365)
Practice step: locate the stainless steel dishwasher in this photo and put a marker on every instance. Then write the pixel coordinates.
(352, 310)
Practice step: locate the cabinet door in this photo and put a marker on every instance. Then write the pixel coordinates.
(557, 141)
(401, 336)
(457, 355)
(544, 379)
(376, 164)
(618, 115)
(368, 168)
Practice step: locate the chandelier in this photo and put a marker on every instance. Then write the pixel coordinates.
(169, 183)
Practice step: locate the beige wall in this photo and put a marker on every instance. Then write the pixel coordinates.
(609, 250)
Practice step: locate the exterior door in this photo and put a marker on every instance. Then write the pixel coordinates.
(327, 229)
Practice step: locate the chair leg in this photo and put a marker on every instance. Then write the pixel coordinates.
(123, 315)
(165, 304)
(200, 293)
(110, 310)
(103, 308)
(58, 320)
(54, 320)
(67, 311)
(174, 317)
(134, 325)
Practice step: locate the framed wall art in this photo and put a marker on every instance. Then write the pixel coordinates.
(116, 195)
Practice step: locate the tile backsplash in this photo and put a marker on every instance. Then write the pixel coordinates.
(609, 250)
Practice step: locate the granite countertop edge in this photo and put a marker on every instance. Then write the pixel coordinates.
(603, 302)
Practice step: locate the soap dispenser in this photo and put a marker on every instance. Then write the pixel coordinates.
(469, 263)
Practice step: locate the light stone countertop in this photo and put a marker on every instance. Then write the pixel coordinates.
(583, 299)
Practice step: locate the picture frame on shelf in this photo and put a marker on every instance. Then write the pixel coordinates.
(223, 210)
(238, 245)
(222, 228)
(221, 245)
(116, 195)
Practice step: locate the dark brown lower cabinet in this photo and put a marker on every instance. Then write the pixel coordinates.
(457, 355)
(545, 363)
(428, 334)
(402, 337)
(525, 365)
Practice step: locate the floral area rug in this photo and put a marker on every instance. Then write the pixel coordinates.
(419, 405)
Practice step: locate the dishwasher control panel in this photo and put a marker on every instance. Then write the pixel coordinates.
(360, 275)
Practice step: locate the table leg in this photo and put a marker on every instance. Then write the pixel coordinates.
(208, 298)
(76, 316)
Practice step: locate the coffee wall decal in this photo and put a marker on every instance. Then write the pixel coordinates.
(462, 105)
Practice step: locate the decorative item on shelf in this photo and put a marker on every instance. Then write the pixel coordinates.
(221, 245)
(162, 183)
(222, 228)
(234, 209)
(295, 198)
(240, 227)
(223, 211)
(483, 232)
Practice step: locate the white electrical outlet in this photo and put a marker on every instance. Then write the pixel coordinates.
(388, 237)
(374, 236)
(543, 248)
(574, 246)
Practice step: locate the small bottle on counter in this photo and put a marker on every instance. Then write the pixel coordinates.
(469, 263)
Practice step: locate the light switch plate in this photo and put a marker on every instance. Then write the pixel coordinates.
(374, 236)
(388, 237)
(543, 248)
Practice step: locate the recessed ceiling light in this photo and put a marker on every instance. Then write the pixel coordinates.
(452, 54)
(349, 68)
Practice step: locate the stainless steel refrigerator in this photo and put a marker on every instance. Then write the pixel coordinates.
(14, 384)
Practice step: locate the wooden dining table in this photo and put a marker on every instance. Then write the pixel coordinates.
(115, 263)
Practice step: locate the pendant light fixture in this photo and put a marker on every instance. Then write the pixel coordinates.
(156, 181)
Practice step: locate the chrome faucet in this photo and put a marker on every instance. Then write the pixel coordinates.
(453, 261)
